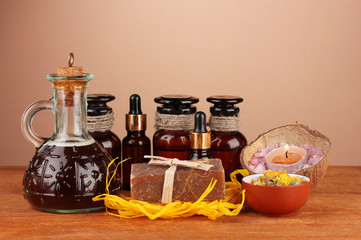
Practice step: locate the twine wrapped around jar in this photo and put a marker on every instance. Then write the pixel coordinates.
(224, 124)
(174, 122)
(100, 123)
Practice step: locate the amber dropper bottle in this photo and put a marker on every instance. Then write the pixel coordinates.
(136, 144)
(200, 138)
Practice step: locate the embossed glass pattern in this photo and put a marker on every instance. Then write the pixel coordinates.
(69, 169)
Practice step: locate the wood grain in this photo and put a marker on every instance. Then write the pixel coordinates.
(333, 211)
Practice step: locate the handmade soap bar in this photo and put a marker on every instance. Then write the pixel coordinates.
(189, 184)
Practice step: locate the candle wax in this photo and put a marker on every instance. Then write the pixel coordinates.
(282, 159)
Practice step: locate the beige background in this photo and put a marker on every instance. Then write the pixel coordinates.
(290, 61)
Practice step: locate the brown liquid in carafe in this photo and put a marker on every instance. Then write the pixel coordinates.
(66, 178)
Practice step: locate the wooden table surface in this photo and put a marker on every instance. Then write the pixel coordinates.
(332, 211)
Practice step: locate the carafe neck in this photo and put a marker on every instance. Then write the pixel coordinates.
(70, 108)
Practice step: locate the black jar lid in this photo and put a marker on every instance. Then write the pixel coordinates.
(224, 105)
(176, 104)
(97, 104)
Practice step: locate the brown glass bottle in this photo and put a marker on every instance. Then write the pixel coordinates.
(136, 144)
(226, 140)
(174, 120)
(200, 138)
(98, 114)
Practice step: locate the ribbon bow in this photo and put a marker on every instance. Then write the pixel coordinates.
(170, 172)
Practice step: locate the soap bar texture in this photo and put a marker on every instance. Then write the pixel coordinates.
(189, 183)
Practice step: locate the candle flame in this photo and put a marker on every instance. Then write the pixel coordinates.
(286, 148)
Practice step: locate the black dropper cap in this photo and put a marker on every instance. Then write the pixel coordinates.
(200, 138)
(97, 104)
(135, 106)
(224, 105)
(200, 123)
(135, 120)
(176, 104)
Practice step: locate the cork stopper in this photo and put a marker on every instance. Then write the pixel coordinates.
(70, 82)
(71, 70)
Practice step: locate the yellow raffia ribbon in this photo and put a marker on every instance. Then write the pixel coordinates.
(125, 207)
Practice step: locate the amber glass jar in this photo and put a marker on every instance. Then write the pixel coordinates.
(100, 121)
(226, 140)
(174, 120)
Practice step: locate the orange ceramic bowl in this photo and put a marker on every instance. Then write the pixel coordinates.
(276, 200)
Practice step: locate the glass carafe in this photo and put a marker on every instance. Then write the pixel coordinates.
(69, 169)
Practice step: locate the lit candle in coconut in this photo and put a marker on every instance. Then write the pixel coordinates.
(290, 158)
(287, 157)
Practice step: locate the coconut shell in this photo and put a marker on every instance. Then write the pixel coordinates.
(297, 134)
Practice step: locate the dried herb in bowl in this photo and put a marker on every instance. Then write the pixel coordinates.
(281, 178)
